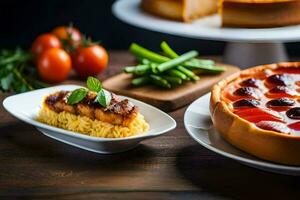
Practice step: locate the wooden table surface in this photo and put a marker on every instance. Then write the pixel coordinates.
(172, 166)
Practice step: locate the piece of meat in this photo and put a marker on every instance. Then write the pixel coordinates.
(119, 112)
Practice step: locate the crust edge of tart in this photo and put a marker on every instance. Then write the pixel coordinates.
(265, 144)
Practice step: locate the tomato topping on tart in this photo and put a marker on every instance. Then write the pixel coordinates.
(270, 102)
(273, 126)
(295, 126)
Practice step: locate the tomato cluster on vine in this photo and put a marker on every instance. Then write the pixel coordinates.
(66, 48)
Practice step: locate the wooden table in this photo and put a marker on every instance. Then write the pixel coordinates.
(172, 166)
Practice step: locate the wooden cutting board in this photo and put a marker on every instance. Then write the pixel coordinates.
(166, 99)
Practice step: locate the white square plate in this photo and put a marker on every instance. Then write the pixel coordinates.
(26, 106)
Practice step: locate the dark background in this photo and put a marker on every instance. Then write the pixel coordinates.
(22, 21)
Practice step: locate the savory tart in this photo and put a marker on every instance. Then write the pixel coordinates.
(90, 113)
(181, 10)
(259, 13)
(258, 111)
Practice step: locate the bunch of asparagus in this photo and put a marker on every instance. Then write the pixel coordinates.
(170, 69)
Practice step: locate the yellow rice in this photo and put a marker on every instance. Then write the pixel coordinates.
(91, 127)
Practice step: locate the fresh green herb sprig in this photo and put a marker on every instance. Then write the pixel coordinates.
(17, 71)
(170, 69)
(93, 84)
(77, 95)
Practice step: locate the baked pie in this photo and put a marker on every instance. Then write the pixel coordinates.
(258, 111)
(234, 13)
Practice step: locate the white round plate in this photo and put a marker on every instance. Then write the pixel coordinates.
(198, 123)
(205, 28)
(26, 106)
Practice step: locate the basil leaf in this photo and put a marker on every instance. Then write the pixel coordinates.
(77, 95)
(93, 84)
(104, 98)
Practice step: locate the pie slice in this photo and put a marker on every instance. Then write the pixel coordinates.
(259, 13)
(181, 10)
(258, 111)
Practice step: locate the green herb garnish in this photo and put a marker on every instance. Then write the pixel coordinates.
(93, 84)
(77, 96)
(104, 98)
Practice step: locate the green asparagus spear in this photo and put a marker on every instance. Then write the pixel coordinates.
(172, 54)
(129, 69)
(188, 73)
(176, 73)
(168, 51)
(142, 52)
(193, 63)
(173, 80)
(202, 62)
(177, 61)
(159, 81)
(142, 69)
(140, 81)
(138, 70)
(145, 61)
(208, 68)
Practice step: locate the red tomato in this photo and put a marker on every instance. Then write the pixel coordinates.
(90, 61)
(273, 126)
(44, 42)
(54, 65)
(256, 115)
(258, 118)
(70, 34)
(249, 112)
(295, 126)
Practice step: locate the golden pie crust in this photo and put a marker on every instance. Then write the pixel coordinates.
(234, 13)
(265, 144)
(260, 13)
(180, 10)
